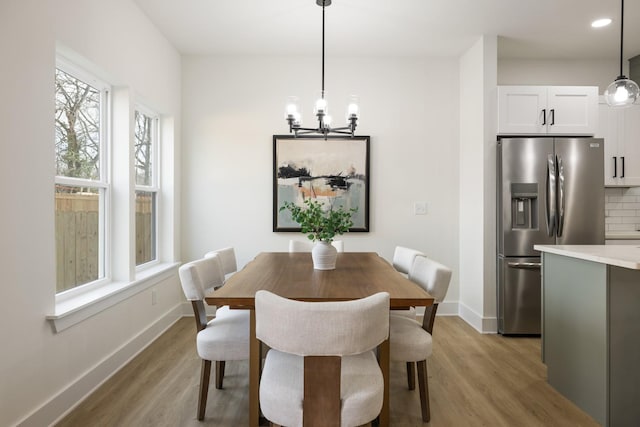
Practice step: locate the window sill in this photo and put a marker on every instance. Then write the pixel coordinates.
(75, 310)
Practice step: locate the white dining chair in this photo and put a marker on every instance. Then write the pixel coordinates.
(226, 336)
(343, 335)
(227, 258)
(302, 246)
(410, 341)
(403, 258)
(402, 261)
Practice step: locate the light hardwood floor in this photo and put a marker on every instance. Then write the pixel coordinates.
(474, 380)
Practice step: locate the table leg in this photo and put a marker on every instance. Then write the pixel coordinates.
(254, 373)
(384, 359)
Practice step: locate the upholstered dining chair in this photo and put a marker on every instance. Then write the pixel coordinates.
(226, 336)
(331, 341)
(411, 341)
(402, 261)
(227, 258)
(302, 246)
(403, 258)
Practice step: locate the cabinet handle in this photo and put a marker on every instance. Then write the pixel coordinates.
(544, 116)
(622, 158)
(615, 166)
(553, 116)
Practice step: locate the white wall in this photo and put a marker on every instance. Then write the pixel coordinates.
(477, 184)
(557, 72)
(43, 373)
(233, 105)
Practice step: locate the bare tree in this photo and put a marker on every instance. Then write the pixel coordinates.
(143, 148)
(77, 118)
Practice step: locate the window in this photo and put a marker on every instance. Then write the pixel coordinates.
(81, 183)
(145, 164)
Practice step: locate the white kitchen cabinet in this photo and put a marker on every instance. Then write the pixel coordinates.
(620, 128)
(547, 110)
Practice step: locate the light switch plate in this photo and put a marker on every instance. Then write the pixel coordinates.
(420, 208)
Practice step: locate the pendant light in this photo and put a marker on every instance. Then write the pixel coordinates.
(292, 110)
(623, 92)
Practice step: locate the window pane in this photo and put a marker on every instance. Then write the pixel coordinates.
(145, 226)
(77, 236)
(143, 149)
(77, 128)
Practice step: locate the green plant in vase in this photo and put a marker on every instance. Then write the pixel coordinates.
(321, 224)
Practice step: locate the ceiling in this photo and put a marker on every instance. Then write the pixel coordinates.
(551, 29)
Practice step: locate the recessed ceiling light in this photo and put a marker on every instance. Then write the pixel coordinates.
(601, 22)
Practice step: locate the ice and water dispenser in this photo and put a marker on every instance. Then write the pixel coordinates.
(524, 206)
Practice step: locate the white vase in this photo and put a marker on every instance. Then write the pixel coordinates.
(324, 256)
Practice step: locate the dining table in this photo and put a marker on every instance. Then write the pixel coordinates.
(291, 275)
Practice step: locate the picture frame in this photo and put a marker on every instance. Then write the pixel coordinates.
(333, 170)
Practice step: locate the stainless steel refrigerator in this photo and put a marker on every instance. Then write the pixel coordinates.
(549, 191)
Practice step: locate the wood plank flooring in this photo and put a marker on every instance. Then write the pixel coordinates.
(474, 380)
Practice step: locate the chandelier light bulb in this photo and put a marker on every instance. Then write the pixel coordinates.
(353, 109)
(621, 94)
(327, 121)
(321, 106)
(292, 109)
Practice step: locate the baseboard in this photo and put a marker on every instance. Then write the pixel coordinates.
(65, 401)
(484, 325)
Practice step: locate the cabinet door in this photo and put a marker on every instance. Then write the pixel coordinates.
(521, 110)
(609, 125)
(629, 146)
(572, 110)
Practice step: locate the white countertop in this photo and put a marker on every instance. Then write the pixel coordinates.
(626, 256)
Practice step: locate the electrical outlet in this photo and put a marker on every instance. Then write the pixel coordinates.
(420, 208)
(154, 297)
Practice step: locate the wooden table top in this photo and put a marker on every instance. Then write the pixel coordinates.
(291, 275)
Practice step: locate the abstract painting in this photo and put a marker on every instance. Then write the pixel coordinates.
(334, 171)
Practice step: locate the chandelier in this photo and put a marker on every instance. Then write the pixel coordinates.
(321, 109)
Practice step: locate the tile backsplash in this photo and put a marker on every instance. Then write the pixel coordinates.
(622, 209)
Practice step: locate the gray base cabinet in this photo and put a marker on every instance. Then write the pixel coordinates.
(591, 336)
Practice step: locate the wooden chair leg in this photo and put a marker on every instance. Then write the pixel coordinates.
(423, 383)
(219, 373)
(205, 373)
(411, 375)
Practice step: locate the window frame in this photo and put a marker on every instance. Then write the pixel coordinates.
(155, 181)
(103, 183)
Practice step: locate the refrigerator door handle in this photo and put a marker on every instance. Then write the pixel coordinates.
(551, 195)
(560, 196)
(525, 265)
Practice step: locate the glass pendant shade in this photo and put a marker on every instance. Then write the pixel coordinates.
(623, 92)
(321, 106)
(292, 110)
(353, 109)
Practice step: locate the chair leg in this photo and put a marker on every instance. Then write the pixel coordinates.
(423, 383)
(411, 375)
(205, 372)
(219, 373)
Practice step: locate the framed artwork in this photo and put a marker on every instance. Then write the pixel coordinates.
(334, 171)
